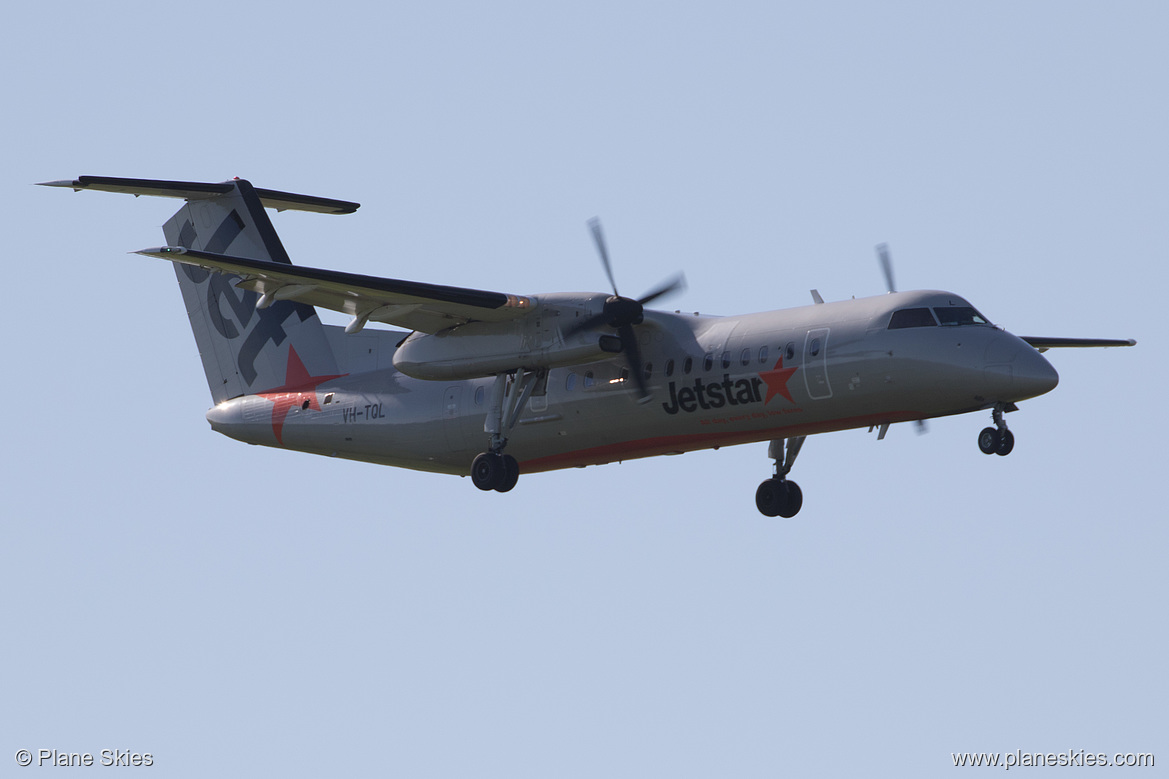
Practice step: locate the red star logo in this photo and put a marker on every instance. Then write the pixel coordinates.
(776, 380)
(299, 388)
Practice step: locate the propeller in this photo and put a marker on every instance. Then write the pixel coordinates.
(886, 265)
(603, 250)
(920, 425)
(623, 314)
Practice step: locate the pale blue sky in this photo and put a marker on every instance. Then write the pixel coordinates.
(243, 611)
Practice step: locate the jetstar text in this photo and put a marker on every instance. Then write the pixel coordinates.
(716, 394)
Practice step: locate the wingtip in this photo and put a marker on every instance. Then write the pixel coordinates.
(160, 251)
(69, 183)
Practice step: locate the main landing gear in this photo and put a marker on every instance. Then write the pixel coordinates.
(494, 470)
(998, 439)
(778, 497)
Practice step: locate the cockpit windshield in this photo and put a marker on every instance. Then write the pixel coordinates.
(960, 315)
(904, 318)
(911, 317)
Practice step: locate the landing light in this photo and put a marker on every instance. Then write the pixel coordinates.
(518, 301)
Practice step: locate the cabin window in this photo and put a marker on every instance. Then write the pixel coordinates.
(789, 351)
(726, 360)
(911, 317)
(688, 365)
(708, 362)
(669, 367)
(814, 347)
(649, 369)
(570, 381)
(745, 357)
(960, 315)
(479, 393)
(762, 355)
(589, 381)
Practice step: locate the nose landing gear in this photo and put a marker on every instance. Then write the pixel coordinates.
(998, 439)
(778, 497)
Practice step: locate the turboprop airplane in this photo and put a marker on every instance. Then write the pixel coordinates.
(557, 380)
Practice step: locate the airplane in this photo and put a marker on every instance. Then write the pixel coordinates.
(492, 385)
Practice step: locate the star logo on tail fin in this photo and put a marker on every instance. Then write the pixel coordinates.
(298, 391)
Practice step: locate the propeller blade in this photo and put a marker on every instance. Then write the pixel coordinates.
(599, 239)
(886, 265)
(632, 352)
(667, 288)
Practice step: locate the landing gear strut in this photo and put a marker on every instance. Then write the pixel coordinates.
(778, 497)
(998, 439)
(494, 470)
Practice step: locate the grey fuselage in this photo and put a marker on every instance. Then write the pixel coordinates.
(716, 381)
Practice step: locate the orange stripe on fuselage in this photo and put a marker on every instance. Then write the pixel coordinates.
(651, 447)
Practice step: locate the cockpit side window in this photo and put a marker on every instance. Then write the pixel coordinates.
(911, 317)
(960, 315)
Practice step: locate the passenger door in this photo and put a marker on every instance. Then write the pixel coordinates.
(816, 363)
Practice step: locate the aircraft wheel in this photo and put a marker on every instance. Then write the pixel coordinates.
(487, 471)
(768, 497)
(793, 500)
(988, 440)
(1006, 443)
(511, 474)
(779, 498)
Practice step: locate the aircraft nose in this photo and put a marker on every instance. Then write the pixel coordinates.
(1034, 375)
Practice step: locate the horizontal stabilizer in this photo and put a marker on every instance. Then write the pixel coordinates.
(190, 190)
(424, 307)
(1043, 344)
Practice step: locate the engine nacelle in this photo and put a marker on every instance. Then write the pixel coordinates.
(479, 349)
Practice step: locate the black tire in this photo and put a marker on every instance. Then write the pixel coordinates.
(769, 497)
(793, 500)
(511, 474)
(487, 471)
(1006, 443)
(988, 440)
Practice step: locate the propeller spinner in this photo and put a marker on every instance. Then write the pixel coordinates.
(622, 313)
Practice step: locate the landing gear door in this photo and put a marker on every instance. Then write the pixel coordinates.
(816, 364)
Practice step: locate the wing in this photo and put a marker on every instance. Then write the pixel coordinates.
(1043, 344)
(188, 190)
(428, 308)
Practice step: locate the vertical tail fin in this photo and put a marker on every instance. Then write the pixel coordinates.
(244, 349)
